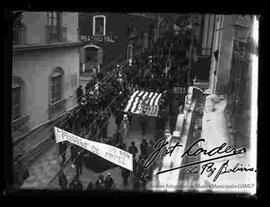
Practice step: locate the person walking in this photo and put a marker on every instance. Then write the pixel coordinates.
(133, 149)
(80, 94)
(143, 122)
(62, 151)
(109, 182)
(62, 181)
(125, 173)
(100, 184)
(90, 186)
(74, 153)
(125, 126)
(144, 148)
(136, 183)
(79, 162)
(76, 184)
(143, 180)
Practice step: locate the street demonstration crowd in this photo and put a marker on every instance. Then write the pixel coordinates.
(106, 96)
(100, 100)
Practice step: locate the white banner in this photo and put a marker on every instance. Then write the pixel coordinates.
(108, 152)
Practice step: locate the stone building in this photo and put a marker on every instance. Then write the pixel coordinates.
(45, 75)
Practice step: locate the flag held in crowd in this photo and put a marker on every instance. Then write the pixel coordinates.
(144, 101)
(108, 152)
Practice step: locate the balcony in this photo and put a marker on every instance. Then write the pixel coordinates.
(20, 127)
(19, 35)
(57, 109)
(56, 34)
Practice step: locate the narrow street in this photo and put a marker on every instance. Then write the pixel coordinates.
(94, 92)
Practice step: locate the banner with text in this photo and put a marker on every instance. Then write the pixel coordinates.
(108, 152)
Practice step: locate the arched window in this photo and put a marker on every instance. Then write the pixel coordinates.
(93, 58)
(17, 97)
(56, 85)
(99, 25)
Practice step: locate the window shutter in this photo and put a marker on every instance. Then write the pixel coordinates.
(100, 56)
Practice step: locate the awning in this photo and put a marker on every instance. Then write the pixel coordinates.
(139, 100)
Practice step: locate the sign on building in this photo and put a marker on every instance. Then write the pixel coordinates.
(179, 90)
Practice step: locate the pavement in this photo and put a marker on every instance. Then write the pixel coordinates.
(215, 132)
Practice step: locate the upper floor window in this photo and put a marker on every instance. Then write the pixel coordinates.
(54, 19)
(19, 29)
(99, 25)
(17, 95)
(56, 84)
(54, 25)
(16, 105)
(91, 54)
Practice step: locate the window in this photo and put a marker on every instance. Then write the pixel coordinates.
(16, 102)
(91, 58)
(54, 24)
(17, 97)
(91, 54)
(99, 25)
(52, 18)
(56, 85)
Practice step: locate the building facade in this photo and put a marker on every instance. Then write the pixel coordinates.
(45, 72)
(231, 71)
(203, 47)
(111, 38)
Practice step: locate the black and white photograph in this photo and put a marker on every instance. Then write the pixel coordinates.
(134, 102)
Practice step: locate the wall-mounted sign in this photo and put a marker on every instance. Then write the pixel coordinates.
(179, 90)
(98, 38)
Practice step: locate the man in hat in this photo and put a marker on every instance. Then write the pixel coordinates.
(144, 148)
(125, 173)
(76, 184)
(133, 149)
(79, 162)
(143, 121)
(62, 181)
(168, 135)
(109, 182)
(100, 183)
(125, 126)
(62, 151)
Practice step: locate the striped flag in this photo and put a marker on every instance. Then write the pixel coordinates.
(144, 100)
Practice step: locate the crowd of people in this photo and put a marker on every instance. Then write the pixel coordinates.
(137, 179)
(104, 96)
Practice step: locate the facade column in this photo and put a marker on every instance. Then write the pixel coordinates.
(223, 47)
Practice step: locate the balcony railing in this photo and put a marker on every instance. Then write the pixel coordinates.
(18, 123)
(19, 35)
(57, 108)
(20, 127)
(55, 34)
